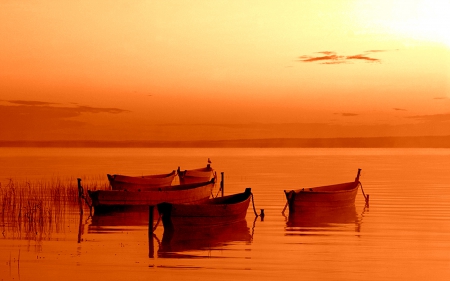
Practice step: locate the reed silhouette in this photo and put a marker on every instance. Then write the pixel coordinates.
(35, 209)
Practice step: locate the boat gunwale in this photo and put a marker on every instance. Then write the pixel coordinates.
(221, 201)
(170, 188)
(112, 177)
(314, 189)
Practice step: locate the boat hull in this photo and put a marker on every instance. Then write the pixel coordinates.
(195, 175)
(218, 211)
(142, 183)
(103, 200)
(323, 197)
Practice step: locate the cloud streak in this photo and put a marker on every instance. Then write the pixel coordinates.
(432, 118)
(41, 106)
(347, 114)
(330, 57)
(30, 103)
(44, 120)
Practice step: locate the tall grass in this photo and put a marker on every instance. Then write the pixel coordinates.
(38, 208)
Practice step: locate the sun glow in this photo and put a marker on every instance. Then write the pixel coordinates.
(423, 20)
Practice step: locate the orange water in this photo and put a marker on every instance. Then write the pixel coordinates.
(404, 234)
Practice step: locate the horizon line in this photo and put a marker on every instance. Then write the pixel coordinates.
(347, 142)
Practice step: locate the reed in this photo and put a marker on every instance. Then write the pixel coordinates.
(38, 208)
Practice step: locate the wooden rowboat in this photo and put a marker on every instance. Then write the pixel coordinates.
(328, 196)
(217, 211)
(103, 200)
(195, 175)
(142, 183)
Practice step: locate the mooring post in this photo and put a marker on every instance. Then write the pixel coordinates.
(80, 195)
(222, 183)
(80, 228)
(151, 247)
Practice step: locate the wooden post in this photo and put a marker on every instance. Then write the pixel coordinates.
(80, 196)
(151, 247)
(222, 183)
(80, 228)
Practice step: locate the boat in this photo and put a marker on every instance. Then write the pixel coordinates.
(106, 200)
(216, 211)
(196, 175)
(131, 183)
(323, 197)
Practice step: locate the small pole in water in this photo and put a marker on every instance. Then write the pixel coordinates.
(80, 195)
(222, 183)
(151, 246)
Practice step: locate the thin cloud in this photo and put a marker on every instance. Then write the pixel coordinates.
(440, 98)
(37, 115)
(399, 109)
(89, 109)
(48, 106)
(30, 102)
(327, 53)
(43, 120)
(347, 114)
(330, 57)
(432, 118)
(375, 51)
(361, 57)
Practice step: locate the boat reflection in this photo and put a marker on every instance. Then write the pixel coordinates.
(176, 243)
(114, 220)
(323, 221)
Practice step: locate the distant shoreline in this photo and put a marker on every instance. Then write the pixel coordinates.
(374, 142)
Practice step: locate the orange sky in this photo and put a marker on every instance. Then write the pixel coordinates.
(167, 70)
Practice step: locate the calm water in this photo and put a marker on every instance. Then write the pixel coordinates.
(403, 235)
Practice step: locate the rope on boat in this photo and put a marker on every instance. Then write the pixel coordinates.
(82, 196)
(288, 201)
(217, 195)
(254, 209)
(157, 222)
(157, 240)
(87, 203)
(366, 197)
(220, 188)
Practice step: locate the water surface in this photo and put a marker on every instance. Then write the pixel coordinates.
(404, 234)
